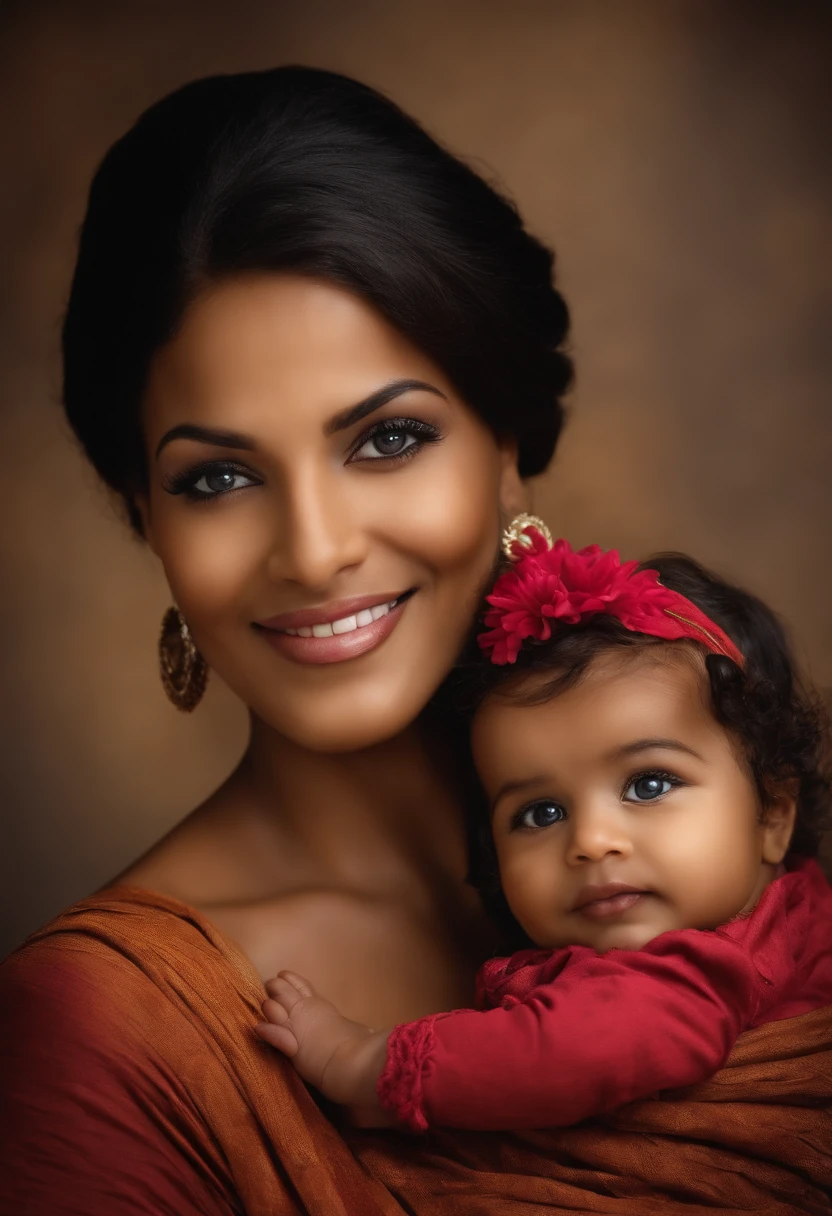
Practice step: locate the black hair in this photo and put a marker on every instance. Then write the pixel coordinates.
(305, 171)
(778, 721)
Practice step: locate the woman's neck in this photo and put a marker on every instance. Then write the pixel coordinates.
(369, 820)
(383, 824)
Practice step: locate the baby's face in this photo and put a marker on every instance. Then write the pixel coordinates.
(625, 781)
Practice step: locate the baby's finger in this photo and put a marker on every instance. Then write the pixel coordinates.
(280, 1037)
(281, 990)
(298, 982)
(273, 1011)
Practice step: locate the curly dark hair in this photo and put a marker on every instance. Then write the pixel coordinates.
(305, 171)
(779, 721)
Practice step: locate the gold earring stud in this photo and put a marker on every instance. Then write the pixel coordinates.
(515, 534)
(184, 671)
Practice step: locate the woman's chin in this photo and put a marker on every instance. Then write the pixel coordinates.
(331, 725)
(341, 738)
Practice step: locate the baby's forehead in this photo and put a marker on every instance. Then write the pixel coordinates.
(673, 667)
(622, 695)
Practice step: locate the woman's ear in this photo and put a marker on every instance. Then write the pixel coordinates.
(513, 496)
(778, 822)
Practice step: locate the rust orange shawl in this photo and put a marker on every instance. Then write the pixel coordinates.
(133, 1083)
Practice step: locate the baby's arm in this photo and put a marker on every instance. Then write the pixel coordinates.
(607, 1030)
(342, 1059)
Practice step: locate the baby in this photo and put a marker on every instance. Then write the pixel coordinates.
(656, 791)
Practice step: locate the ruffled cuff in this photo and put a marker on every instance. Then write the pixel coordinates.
(409, 1060)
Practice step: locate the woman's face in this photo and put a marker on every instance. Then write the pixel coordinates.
(309, 468)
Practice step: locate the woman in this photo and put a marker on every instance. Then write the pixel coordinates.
(315, 355)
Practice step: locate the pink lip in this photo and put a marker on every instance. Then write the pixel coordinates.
(327, 613)
(607, 900)
(340, 646)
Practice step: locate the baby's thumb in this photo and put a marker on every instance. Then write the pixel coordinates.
(280, 1037)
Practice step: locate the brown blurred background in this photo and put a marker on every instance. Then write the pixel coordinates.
(674, 152)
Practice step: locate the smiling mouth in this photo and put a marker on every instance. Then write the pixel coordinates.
(346, 637)
(347, 624)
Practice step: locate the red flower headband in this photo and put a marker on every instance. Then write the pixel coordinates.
(550, 584)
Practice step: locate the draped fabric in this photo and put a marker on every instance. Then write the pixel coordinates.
(133, 1084)
(756, 1138)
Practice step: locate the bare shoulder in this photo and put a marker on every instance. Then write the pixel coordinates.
(219, 854)
(381, 956)
(217, 864)
(186, 864)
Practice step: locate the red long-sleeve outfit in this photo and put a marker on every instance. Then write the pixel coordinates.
(563, 1035)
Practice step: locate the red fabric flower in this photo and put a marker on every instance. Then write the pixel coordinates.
(555, 585)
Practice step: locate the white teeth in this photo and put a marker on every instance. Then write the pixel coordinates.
(345, 625)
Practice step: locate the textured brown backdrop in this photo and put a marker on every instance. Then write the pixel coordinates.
(675, 152)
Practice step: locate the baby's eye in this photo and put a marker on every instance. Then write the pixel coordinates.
(539, 815)
(648, 786)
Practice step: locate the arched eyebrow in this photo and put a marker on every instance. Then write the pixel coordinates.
(649, 745)
(340, 422)
(376, 400)
(206, 434)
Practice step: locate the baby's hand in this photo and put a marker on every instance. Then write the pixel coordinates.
(342, 1059)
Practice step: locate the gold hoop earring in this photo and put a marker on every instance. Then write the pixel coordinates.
(515, 534)
(184, 671)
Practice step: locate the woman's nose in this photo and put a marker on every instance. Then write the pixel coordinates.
(319, 534)
(595, 835)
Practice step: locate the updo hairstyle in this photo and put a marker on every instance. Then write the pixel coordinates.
(304, 171)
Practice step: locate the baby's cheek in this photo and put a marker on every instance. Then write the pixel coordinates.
(530, 887)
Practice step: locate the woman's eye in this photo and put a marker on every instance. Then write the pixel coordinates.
(395, 439)
(647, 786)
(540, 815)
(387, 443)
(208, 481)
(209, 485)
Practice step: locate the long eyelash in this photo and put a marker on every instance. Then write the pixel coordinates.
(425, 432)
(184, 482)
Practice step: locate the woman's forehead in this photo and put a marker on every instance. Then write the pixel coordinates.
(276, 340)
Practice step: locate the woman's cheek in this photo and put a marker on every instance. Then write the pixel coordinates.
(447, 511)
(212, 560)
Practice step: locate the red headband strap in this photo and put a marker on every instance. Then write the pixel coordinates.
(551, 585)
